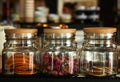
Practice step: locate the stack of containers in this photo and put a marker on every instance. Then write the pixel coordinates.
(29, 10)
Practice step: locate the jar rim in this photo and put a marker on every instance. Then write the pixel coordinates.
(59, 30)
(21, 30)
(99, 29)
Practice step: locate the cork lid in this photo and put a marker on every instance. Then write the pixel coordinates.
(21, 30)
(59, 30)
(99, 29)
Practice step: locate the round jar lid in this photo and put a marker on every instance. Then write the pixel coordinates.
(21, 30)
(59, 30)
(99, 29)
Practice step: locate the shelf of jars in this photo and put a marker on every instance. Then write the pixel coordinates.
(98, 72)
(58, 58)
(76, 25)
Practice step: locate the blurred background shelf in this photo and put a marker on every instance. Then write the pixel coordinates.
(76, 25)
(86, 12)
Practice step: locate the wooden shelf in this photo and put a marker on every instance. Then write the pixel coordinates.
(76, 25)
(58, 79)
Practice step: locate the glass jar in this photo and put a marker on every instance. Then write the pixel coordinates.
(2, 39)
(99, 54)
(20, 55)
(59, 53)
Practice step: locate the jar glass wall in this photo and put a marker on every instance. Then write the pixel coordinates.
(20, 55)
(99, 54)
(59, 54)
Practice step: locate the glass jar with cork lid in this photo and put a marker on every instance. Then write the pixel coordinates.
(20, 55)
(59, 53)
(99, 54)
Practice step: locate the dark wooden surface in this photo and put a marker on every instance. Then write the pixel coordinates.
(40, 77)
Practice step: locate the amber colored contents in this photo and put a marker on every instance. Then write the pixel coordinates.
(22, 64)
(98, 71)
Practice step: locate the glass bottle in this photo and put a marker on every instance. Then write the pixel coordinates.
(20, 55)
(59, 53)
(99, 54)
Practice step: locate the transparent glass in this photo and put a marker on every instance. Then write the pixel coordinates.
(59, 54)
(99, 55)
(20, 55)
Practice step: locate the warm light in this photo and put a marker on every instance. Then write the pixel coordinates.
(45, 25)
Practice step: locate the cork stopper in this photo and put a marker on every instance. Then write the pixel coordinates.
(99, 29)
(59, 30)
(20, 30)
